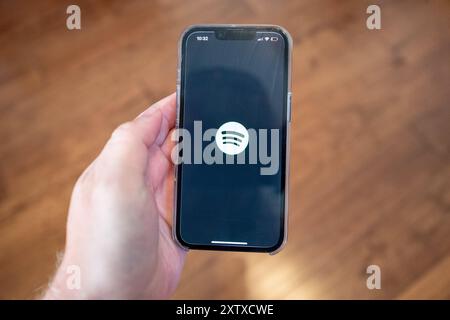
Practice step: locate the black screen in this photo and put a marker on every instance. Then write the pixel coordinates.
(239, 77)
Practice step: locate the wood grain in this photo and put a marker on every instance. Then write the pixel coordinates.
(370, 164)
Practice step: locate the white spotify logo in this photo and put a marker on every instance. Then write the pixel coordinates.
(232, 138)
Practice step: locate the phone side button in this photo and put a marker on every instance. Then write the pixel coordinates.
(178, 75)
(289, 106)
(177, 119)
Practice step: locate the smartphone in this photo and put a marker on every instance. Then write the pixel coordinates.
(232, 138)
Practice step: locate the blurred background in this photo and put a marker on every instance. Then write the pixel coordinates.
(370, 163)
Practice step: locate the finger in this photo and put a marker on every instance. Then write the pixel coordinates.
(169, 110)
(165, 197)
(168, 146)
(167, 106)
(144, 129)
(130, 142)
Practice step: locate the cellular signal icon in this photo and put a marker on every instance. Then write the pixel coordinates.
(232, 138)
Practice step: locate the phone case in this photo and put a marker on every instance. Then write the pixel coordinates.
(288, 123)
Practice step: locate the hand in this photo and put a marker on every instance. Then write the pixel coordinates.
(120, 216)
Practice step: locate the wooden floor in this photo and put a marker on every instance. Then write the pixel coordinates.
(370, 172)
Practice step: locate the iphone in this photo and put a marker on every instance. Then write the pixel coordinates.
(232, 138)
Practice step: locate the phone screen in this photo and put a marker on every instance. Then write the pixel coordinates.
(234, 114)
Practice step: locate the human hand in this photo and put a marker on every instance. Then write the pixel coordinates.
(120, 216)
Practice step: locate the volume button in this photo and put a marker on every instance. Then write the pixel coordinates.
(289, 106)
(177, 121)
(178, 75)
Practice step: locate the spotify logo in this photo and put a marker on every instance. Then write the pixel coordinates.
(232, 138)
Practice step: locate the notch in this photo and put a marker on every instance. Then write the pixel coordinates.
(235, 34)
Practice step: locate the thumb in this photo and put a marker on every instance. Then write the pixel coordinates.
(125, 155)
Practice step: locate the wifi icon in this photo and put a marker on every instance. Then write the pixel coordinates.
(232, 138)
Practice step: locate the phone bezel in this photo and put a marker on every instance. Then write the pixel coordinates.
(176, 232)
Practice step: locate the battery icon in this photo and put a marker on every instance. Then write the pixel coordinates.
(274, 39)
